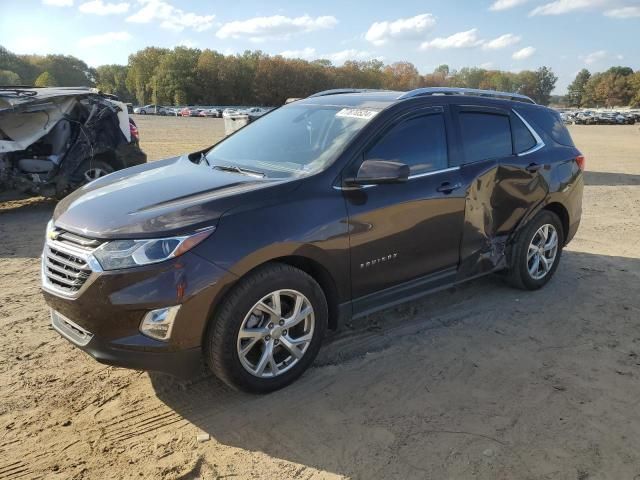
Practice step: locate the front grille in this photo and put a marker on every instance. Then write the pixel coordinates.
(64, 265)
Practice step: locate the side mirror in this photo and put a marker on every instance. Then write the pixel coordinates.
(377, 172)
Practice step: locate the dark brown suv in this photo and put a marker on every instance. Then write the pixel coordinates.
(330, 207)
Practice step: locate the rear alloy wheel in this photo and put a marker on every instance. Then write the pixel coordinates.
(91, 170)
(268, 329)
(536, 253)
(542, 251)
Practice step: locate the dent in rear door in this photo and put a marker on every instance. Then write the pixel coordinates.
(500, 192)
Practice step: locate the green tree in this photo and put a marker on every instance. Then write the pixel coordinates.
(545, 83)
(634, 83)
(8, 77)
(68, 71)
(592, 95)
(576, 89)
(113, 79)
(45, 79)
(174, 80)
(13, 63)
(142, 68)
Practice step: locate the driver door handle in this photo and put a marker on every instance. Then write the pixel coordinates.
(448, 187)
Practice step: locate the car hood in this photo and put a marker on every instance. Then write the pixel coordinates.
(157, 199)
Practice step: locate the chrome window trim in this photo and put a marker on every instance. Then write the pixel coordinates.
(539, 142)
(411, 177)
(434, 172)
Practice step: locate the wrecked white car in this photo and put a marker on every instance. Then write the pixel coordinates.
(54, 140)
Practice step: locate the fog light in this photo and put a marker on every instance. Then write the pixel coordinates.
(159, 323)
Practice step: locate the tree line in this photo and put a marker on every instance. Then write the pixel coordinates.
(183, 76)
(618, 86)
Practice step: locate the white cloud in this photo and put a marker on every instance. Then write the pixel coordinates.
(258, 29)
(523, 54)
(623, 12)
(104, 39)
(486, 65)
(58, 3)
(170, 17)
(186, 43)
(411, 28)
(503, 41)
(337, 58)
(594, 57)
(305, 53)
(559, 7)
(350, 54)
(29, 44)
(505, 4)
(467, 39)
(98, 7)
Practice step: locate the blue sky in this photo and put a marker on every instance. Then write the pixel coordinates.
(566, 35)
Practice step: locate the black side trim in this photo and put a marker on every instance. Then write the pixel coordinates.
(404, 292)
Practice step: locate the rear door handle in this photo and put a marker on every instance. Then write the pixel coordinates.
(533, 167)
(447, 187)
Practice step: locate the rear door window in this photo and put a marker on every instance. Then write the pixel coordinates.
(485, 135)
(420, 142)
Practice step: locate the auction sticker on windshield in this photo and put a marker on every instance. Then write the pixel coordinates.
(356, 113)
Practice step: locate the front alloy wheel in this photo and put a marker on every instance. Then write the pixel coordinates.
(276, 333)
(268, 329)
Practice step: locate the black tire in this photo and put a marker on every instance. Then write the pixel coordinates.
(220, 344)
(518, 274)
(143, 112)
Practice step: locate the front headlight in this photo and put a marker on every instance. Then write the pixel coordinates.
(119, 254)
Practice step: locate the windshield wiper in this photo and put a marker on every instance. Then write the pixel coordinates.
(236, 169)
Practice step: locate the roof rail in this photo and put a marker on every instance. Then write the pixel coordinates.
(418, 92)
(338, 91)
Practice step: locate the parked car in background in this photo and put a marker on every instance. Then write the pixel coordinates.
(585, 118)
(190, 112)
(255, 112)
(55, 140)
(241, 256)
(211, 112)
(230, 111)
(151, 110)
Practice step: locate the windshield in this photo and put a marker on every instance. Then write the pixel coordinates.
(294, 140)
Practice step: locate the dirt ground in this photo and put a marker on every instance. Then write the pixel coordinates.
(481, 381)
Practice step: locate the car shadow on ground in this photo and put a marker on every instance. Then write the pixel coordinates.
(610, 179)
(346, 414)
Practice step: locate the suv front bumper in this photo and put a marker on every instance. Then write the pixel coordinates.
(104, 318)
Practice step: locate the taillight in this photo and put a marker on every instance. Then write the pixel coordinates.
(581, 162)
(134, 131)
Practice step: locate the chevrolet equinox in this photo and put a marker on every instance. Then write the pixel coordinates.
(328, 208)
